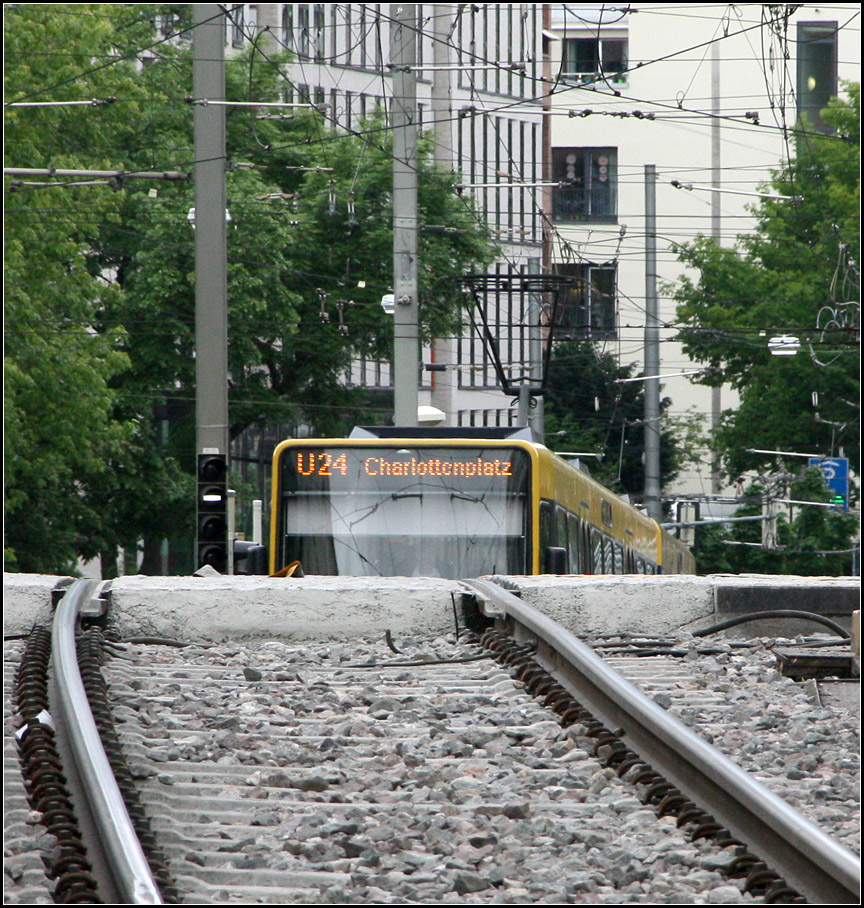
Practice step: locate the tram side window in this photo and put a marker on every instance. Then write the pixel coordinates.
(547, 526)
(577, 545)
(619, 557)
(585, 547)
(597, 551)
(608, 556)
(561, 529)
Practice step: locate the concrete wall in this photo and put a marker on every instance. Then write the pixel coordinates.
(193, 609)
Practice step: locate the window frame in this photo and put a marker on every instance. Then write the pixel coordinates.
(615, 77)
(810, 34)
(583, 184)
(579, 306)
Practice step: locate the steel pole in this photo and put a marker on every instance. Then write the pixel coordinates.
(444, 349)
(652, 500)
(211, 270)
(406, 353)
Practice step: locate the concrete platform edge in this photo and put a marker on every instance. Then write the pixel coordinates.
(339, 608)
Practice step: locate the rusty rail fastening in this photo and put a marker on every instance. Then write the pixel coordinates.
(813, 864)
(656, 791)
(91, 656)
(44, 778)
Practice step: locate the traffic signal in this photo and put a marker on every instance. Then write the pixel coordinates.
(212, 540)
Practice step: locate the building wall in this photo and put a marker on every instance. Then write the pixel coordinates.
(684, 63)
(494, 55)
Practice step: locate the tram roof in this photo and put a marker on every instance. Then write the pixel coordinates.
(522, 433)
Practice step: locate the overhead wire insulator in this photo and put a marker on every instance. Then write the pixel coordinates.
(352, 221)
(323, 313)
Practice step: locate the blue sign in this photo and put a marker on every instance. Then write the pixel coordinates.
(836, 473)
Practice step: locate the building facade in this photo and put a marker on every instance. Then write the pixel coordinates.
(551, 113)
(708, 94)
(479, 82)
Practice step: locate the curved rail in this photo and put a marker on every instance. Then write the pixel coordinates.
(818, 866)
(116, 833)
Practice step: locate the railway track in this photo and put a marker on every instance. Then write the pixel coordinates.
(269, 772)
(735, 697)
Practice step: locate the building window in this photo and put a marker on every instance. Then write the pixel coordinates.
(376, 34)
(303, 38)
(362, 37)
(320, 33)
(287, 26)
(589, 59)
(817, 70)
(590, 184)
(588, 309)
(237, 26)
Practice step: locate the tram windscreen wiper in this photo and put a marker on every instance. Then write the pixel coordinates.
(462, 497)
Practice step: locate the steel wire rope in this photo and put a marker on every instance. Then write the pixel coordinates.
(540, 78)
(354, 132)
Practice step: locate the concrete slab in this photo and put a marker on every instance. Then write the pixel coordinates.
(331, 608)
(842, 694)
(834, 598)
(588, 605)
(27, 600)
(212, 609)
(830, 596)
(663, 603)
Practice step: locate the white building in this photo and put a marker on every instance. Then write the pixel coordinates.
(706, 92)
(475, 64)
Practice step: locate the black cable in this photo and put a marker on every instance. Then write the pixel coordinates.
(774, 613)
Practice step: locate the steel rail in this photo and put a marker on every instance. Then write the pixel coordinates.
(816, 864)
(117, 836)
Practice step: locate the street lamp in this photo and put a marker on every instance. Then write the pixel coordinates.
(783, 345)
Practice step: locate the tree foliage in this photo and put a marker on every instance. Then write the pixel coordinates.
(100, 280)
(794, 275)
(815, 540)
(61, 434)
(590, 409)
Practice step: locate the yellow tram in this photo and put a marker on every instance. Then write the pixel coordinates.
(453, 503)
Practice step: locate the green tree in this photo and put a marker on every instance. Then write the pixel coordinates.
(815, 541)
(590, 408)
(61, 435)
(794, 275)
(310, 256)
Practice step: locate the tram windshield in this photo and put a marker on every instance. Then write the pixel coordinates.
(395, 511)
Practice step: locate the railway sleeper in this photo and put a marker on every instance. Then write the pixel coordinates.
(660, 793)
